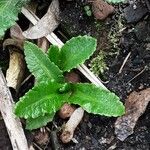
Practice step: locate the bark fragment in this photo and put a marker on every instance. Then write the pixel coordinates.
(135, 106)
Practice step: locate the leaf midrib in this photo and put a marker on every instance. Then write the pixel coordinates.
(43, 66)
(70, 59)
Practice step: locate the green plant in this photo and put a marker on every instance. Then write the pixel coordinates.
(40, 104)
(98, 64)
(9, 10)
(88, 10)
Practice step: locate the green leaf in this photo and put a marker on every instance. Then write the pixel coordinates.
(54, 54)
(44, 98)
(115, 1)
(39, 121)
(96, 100)
(9, 10)
(74, 52)
(40, 66)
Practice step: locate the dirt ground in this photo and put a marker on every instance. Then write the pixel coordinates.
(120, 34)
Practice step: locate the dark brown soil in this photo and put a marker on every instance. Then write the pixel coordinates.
(97, 132)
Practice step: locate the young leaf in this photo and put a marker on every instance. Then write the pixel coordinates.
(54, 54)
(96, 100)
(9, 10)
(34, 123)
(74, 52)
(40, 66)
(44, 98)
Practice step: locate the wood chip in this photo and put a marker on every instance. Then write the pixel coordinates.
(135, 106)
(47, 24)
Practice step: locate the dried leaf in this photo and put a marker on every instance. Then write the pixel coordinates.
(15, 72)
(47, 24)
(16, 39)
(13, 42)
(135, 106)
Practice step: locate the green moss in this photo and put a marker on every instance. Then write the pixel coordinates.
(98, 65)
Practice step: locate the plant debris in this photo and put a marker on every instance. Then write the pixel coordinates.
(16, 70)
(135, 106)
(47, 24)
(74, 120)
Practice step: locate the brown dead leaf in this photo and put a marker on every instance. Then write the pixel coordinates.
(101, 9)
(13, 42)
(15, 72)
(47, 24)
(16, 39)
(135, 106)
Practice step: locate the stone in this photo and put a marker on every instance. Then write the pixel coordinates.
(101, 10)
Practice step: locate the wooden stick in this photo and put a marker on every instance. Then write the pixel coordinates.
(13, 124)
(71, 125)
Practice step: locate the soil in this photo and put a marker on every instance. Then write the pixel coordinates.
(116, 38)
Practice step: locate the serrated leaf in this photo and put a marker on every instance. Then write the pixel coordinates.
(96, 100)
(54, 54)
(44, 98)
(40, 66)
(75, 52)
(9, 10)
(39, 121)
(115, 1)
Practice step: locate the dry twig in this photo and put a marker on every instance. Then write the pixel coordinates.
(71, 125)
(124, 62)
(13, 124)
